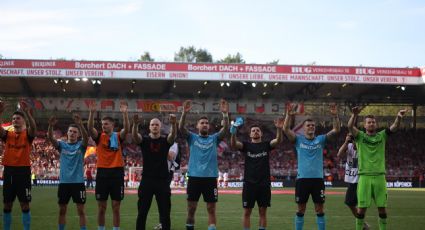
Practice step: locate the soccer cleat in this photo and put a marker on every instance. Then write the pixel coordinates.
(158, 227)
(366, 226)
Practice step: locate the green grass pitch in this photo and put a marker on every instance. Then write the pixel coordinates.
(406, 211)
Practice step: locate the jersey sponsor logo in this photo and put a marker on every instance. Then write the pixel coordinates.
(310, 147)
(203, 146)
(256, 155)
(18, 146)
(371, 142)
(74, 152)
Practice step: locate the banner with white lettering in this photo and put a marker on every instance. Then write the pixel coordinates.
(210, 72)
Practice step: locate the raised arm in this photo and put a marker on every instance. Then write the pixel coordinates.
(173, 129)
(32, 127)
(279, 126)
(351, 128)
(90, 123)
(84, 135)
(187, 105)
(394, 127)
(290, 114)
(172, 152)
(2, 108)
(336, 124)
(234, 143)
(52, 122)
(137, 138)
(124, 111)
(224, 107)
(343, 149)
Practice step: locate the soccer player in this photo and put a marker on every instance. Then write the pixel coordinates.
(309, 148)
(371, 154)
(156, 174)
(71, 177)
(110, 164)
(17, 166)
(351, 173)
(256, 186)
(203, 165)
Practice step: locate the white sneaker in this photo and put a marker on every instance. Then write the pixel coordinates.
(366, 226)
(158, 227)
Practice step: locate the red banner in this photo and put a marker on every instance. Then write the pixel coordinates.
(211, 72)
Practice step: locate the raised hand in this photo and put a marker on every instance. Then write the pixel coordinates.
(292, 109)
(92, 106)
(187, 106)
(123, 106)
(77, 119)
(356, 110)
(137, 119)
(53, 121)
(224, 106)
(24, 106)
(279, 122)
(402, 113)
(173, 119)
(333, 109)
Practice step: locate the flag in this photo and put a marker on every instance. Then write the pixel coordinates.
(259, 109)
(90, 151)
(107, 104)
(241, 108)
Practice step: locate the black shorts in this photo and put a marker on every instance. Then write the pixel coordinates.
(252, 193)
(17, 183)
(75, 190)
(306, 186)
(109, 182)
(207, 186)
(351, 195)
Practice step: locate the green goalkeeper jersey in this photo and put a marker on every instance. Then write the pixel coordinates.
(371, 152)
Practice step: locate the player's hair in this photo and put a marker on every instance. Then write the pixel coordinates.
(73, 126)
(308, 120)
(109, 119)
(369, 116)
(255, 126)
(202, 117)
(19, 113)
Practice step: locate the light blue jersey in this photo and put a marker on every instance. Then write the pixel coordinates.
(310, 156)
(203, 155)
(71, 162)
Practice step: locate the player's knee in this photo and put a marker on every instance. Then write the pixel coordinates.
(300, 214)
(383, 215)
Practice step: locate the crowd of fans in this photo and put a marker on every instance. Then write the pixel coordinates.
(405, 156)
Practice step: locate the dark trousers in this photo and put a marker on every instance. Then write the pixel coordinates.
(147, 189)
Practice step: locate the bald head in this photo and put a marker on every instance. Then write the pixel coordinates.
(155, 126)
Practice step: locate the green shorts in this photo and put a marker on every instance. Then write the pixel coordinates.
(372, 187)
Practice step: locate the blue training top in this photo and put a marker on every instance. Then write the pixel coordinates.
(310, 156)
(71, 162)
(203, 155)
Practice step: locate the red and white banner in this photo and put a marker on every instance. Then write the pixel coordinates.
(210, 72)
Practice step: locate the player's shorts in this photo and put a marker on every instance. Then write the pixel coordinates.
(351, 195)
(252, 193)
(17, 183)
(109, 181)
(306, 186)
(75, 190)
(372, 187)
(207, 186)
